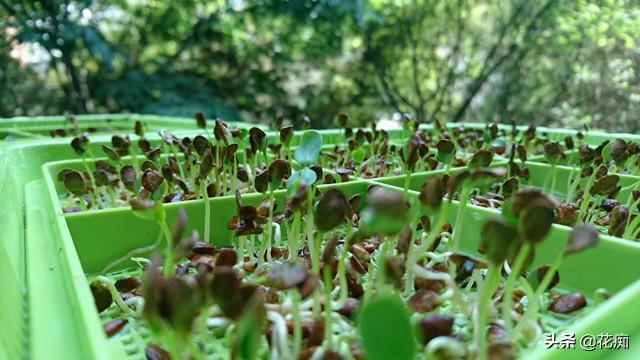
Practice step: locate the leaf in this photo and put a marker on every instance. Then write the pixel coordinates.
(481, 158)
(257, 140)
(526, 196)
(261, 182)
(619, 152)
(222, 133)
(385, 212)
(483, 177)
(75, 182)
(201, 121)
(152, 180)
(605, 185)
(206, 164)
(139, 128)
(386, 330)
(552, 151)
(307, 152)
(278, 171)
(79, 144)
(248, 333)
(357, 155)
(446, 151)
(580, 238)
(509, 186)
(332, 209)
(200, 143)
(286, 134)
(111, 153)
(303, 177)
(146, 209)
(536, 220)
(497, 238)
(618, 220)
(432, 192)
(585, 154)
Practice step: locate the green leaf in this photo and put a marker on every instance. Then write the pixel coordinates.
(386, 212)
(357, 155)
(497, 239)
(331, 210)
(386, 329)
(247, 339)
(446, 151)
(302, 177)
(147, 209)
(309, 149)
(75, 182)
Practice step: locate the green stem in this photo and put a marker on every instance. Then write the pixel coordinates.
(584, 205)
(586, 196)
(297, 325)
(509, 283)
(293, 236)
(241, 241)
(207, 212)
(234, 176)
(488, 288)
(382, 265)
(270, 223)
(457, 230)
(373, 157)
(407, 180)
(116, 296)
(342, 279)
(553, 179)
(424, 246)
(315, 270)
(631, 225)
(328, 331)
(534, 304)
(134, 159)
(92, 179)
(83, 203)
(168, 259)
(574, 181)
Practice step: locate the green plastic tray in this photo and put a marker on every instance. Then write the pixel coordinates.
(90, 251)
(37, 128)
(592, 137)
(539, 176)
(46, 256)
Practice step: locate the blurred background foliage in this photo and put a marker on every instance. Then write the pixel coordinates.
(559, 62)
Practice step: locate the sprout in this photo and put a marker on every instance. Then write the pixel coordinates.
(498, 238)
(200, 120)
(618, 219)
(481, 158)
(385, 213)
(307, 152)
(386, 329)
(446, 151)
(75, 182)
(332, 209)
(432, 193)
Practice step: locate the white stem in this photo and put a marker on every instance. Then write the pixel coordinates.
(279, 336)
(217, 322)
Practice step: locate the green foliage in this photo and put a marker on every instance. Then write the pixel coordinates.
(556, 62)
(307, 152)
(386, 329)
(303, 177)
